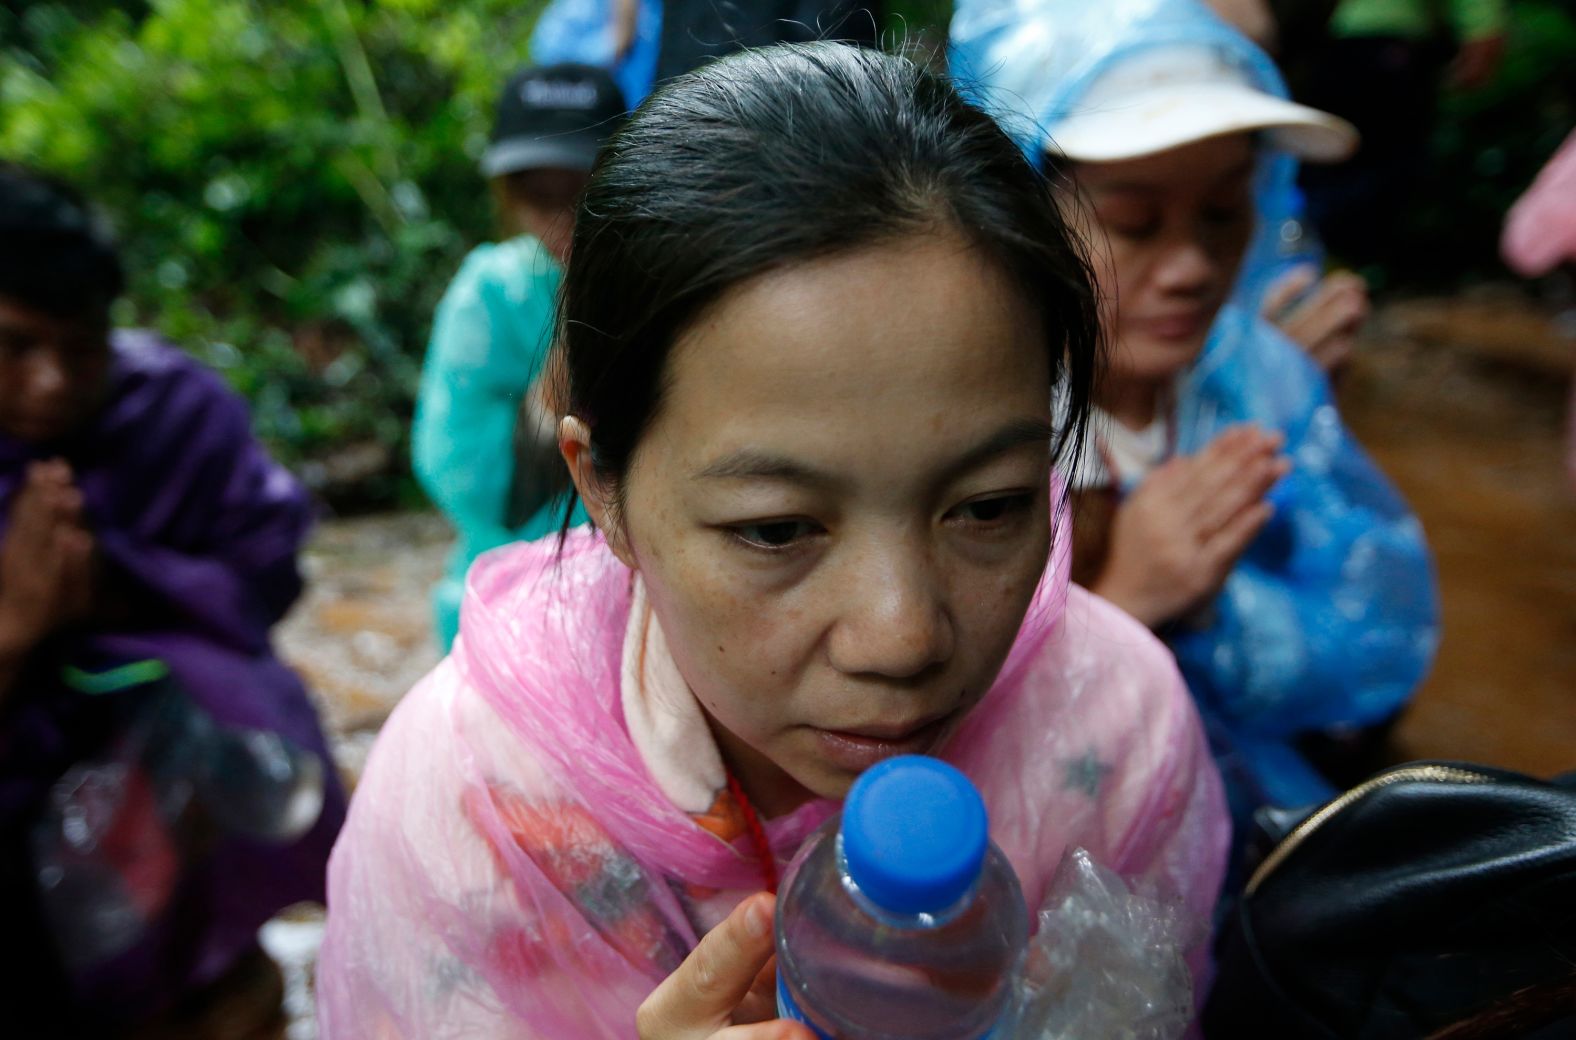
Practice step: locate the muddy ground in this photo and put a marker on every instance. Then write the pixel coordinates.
(1463, 404)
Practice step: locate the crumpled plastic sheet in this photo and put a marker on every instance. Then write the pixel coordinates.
(1106, 962)
(118, 833)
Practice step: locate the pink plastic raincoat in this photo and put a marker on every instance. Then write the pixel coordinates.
(512, 868)
(1540, 229)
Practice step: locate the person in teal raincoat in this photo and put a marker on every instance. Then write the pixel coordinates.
(474, 441)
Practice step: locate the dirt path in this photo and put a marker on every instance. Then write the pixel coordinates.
(362, 634)
(1463, 405)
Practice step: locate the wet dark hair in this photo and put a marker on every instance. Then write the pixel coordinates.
(58, 257)
(782, 155)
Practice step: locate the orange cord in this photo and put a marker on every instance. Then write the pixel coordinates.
(757, 833)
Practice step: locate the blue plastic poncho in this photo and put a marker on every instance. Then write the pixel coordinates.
(1029, 61)
(582, 31)
(1331, 617)
(490, 340)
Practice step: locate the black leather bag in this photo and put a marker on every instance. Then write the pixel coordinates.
(1434, 894)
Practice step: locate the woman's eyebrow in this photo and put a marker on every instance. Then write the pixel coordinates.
(1016, 434)
(750, 464)
(756, 465)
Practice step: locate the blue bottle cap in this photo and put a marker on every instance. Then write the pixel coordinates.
(914, 834)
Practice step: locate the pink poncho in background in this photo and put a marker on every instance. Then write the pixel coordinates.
(1540, 235)
(512, 866)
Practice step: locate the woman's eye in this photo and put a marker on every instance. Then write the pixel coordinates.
(994, 509)
(1133, 230)
(774, 534)
(1128, 218)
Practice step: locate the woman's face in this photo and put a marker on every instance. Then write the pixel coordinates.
(1172, 231)
(840, 510)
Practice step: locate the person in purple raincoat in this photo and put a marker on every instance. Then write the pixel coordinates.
(164, 785)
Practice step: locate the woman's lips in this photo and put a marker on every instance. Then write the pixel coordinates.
(856, 751)
(1177, 326)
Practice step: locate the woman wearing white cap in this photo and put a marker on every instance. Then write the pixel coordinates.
(1222, 501)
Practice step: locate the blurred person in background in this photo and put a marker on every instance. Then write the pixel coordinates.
(480, 450)
(621, 36)
(644, 42)
(1540, 238)
(1540, 229)
(1288, 30)
(1221, 501)
(697, 31)
(164, 785)
(1252, 18)
(1322, 311)
(1381, 67)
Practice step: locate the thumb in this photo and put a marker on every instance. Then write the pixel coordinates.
(699, 998)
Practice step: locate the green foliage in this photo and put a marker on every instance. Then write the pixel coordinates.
(916, 15)
(294, 181)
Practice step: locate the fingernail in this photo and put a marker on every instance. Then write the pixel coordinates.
(758, 920)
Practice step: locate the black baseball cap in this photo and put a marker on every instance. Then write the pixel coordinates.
(553, 116)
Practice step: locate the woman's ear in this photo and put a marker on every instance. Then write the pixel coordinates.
(574, 444)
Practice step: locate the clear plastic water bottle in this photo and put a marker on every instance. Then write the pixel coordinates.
(901, 919)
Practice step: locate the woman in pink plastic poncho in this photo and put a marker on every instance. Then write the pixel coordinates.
(814, 316)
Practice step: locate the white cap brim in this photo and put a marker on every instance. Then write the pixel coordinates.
(1158, 120)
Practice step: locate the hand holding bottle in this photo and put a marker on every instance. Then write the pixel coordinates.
(724, 990)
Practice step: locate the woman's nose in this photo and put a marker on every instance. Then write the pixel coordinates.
(894, 622)
(1186, 267)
